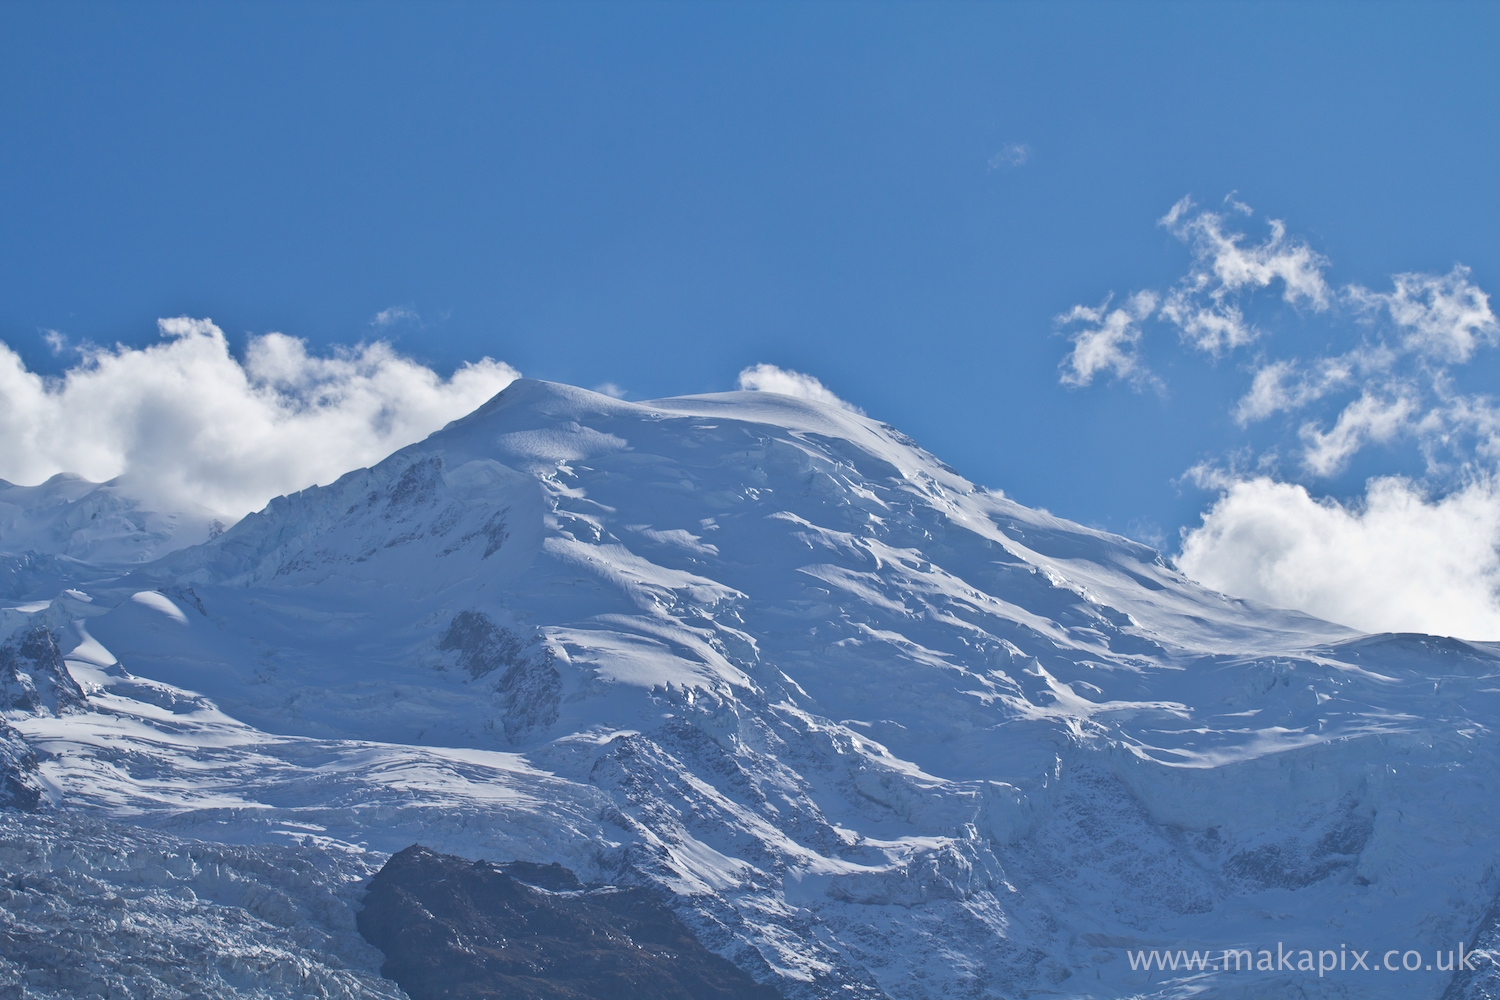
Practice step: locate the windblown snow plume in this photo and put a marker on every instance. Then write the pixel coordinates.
(1418, 551)
(769, 378)
(192, 423)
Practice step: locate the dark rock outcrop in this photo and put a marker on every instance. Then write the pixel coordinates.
(529, 689)
(480, 645)
(20, 787)
(33, 677)
(453, 929)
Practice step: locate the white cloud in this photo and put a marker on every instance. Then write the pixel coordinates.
(1368, 418)
(1109, 341)
(1444, 317)
(1228, 266)
(1013, 154)
(1398, 561)
(395, 316)
(1241, 465)
(1410, 555)
(1277, 386)
(187, 421)
(1214, 329)
(610, 389)
(769, 378)
(1394, 383)
(1203, 304)
(1288, 385)
(1476, 416)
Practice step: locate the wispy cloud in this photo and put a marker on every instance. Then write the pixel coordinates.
(1402, 374)
(1417, 554)
(1109, 341)
(1012, 154)
(188, 421)
(395, 316)
(1370, 418)
(1205, 304)
(1288, 385)
(1442, 317)
(1393, 383)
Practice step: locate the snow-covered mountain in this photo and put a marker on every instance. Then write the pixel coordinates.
(880, 731)
(67, 529)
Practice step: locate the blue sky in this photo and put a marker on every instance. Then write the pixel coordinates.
(899, 199)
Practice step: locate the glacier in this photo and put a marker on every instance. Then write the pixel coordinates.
(878, 731)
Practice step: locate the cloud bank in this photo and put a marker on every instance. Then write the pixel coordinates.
(1417, 554)
(1397, 562)
(769, 378)
(186, 421)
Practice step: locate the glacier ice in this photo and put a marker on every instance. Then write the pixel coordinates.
(90, 908)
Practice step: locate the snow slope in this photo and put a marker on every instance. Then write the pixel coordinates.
(67, 529)
(882, 731)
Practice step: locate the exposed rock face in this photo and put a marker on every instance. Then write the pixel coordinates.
(529, 688)
(19, 787)
(452, 928)
(482, 646)
(33, 677)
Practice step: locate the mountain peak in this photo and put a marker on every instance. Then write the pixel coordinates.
(770, 656)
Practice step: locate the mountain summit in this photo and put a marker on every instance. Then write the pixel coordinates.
(878, 731)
